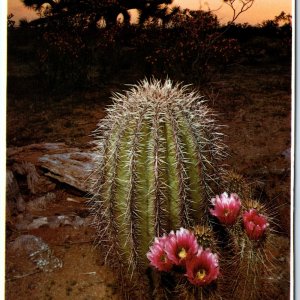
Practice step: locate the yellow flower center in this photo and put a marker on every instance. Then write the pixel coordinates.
(201, 274)
(182, 253)
(163, 258)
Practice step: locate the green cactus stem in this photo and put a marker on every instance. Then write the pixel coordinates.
(159, 167)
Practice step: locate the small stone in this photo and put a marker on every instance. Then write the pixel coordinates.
(78, 222)
(37, 223)
(37, 251)
(41, 202)
(287, 154)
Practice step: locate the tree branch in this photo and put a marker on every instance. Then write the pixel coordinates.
(245, 5)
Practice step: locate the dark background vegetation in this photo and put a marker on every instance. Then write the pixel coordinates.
(85, 45)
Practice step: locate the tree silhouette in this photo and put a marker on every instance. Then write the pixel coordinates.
(93, 10)
(10, 21)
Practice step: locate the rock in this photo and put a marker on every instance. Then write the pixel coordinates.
(37, 251)
(68, 165)
(37, 223)
(35, 182)
(22, 221)
(57, 221)
(31, 152)
(13, 195)
(41, 202)
(51, 222)
(78, 222)
(73, 168)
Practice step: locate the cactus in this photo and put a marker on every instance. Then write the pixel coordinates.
(158, 166)
(246, 246)
(161, 164)
(253, 246)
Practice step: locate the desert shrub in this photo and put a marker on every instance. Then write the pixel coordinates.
(270, 41)
(61, 57)
(75, 55)
(188, 45)
(106, 50)
(191, 46)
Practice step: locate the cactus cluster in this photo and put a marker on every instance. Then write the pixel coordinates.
(157, 172)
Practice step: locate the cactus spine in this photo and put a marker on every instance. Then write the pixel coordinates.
(160, 166)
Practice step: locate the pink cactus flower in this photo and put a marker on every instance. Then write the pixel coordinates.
(226, 209)
(254, 224)
(203, 268)
(181, 246)
(157, 255)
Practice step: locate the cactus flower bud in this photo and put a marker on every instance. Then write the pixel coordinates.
(255, 224)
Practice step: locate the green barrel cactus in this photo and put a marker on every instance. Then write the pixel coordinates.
(160, 165)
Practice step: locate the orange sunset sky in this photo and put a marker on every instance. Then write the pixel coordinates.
(260, 11)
